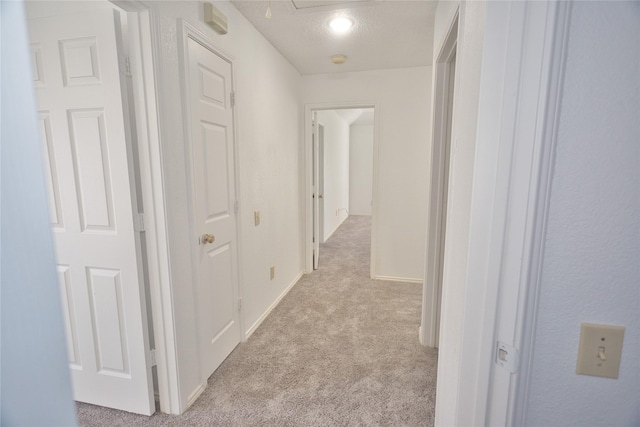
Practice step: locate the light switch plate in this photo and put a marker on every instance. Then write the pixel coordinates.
(256, 217)
(600, 350)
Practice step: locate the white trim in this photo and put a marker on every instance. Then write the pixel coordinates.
(308, 179)
(143, 46)
(258, 322)
(185, 32)
(432, 288)
(512, 166)
(555, 79)
(196, 394)
(398, 279)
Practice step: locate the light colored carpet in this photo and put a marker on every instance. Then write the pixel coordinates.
(339, 350)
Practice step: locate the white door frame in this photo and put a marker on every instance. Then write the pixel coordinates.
(522, 72)
(144, 70)
(186, 31)
(308, 171)
(436, 216)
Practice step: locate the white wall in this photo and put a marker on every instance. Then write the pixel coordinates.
(268, 134)
(402, 97)
(592, 249)
(465, 112)
(360, 169)
(336, 170)
(35, 383)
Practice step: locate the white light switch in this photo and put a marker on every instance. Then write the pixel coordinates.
(600, 350)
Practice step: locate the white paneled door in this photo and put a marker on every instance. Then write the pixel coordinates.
(77, 79)
(315, 161)
(209, 90)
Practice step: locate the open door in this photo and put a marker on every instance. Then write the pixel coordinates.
(320, 144)
(78, 81)
(315, 142)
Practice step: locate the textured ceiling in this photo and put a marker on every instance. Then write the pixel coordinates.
(386, 33)
(305, 4)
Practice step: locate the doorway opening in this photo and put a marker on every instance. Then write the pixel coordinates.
(443, 120)
(340, 174)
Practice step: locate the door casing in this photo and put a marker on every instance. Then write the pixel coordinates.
(442, 138)
(520, 92)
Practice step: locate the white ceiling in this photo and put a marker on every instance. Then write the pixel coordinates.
(386, 33)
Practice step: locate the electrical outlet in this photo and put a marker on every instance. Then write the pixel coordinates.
(256, 217)
(600, 350)
(272, 272)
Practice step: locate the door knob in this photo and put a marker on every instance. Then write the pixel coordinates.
(321, 196)
(207, 238)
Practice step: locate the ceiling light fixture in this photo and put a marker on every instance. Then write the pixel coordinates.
(341, 24)
(338, 59)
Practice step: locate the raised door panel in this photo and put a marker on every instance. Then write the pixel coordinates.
(107, 321)
(89, 147)
(212, 87)
(216, 172)
(70, 318)
(51, 170)
(79, 60)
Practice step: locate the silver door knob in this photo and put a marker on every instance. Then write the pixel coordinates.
(321, 196)
(207, 238)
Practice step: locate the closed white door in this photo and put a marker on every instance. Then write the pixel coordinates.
(77, 79)
(211, 144)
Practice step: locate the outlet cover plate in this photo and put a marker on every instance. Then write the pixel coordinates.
(598, 342)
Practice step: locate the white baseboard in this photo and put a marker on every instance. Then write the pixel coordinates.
(258, 322)
(420, 336)
(195, 395)
(398, 279)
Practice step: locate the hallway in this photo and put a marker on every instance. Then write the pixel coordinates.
(340, 349)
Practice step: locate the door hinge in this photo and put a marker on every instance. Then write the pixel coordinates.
(125, 66)
(507, 357)
(240, 305)
(152, 354)
(236, 207)
(138, 222)
(233, 99)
